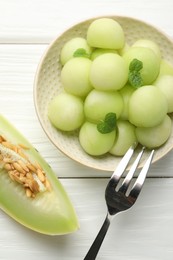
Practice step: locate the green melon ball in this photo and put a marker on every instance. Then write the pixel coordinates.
(66, 112)
(147, 106)
(153, 137)
(93, 142)
(97, 52)
(71, 46)
(150, 61)
(126, 93)
(148, 44)
(105, 33)
(166, 68)
(75, 76)
(99, 103)
(124, 139)
(108, 72)
(165, 84)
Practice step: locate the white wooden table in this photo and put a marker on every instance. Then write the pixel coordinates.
(144, 232)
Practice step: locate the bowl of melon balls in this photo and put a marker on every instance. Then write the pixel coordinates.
(103, 85)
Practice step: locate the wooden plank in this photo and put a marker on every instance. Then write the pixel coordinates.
(41, 21)
(18, 65)
(144, 232)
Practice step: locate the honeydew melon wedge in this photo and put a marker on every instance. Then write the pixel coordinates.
(47, 209)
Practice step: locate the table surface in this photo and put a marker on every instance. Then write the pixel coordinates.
(145, 231)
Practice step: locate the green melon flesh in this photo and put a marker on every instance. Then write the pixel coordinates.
(50, 212)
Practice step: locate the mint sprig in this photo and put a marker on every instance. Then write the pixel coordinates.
(81, 53)
(108, 124)
(135, 78)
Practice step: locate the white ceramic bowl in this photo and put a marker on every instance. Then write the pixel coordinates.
(47, 85)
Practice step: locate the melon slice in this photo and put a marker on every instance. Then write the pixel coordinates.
(30, 192)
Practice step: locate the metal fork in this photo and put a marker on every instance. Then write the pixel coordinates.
(120, 196)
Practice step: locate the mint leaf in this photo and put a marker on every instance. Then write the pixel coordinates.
(81, 53)
(135, 65)
(108, 124)
(134, 76)
(135, 79)
(111, 120)
(103, 128)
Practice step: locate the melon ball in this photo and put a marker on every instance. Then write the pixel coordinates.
(155, 136)
(149, 44)
(93, 142)
(150, 61)
(124, 139)
(71, 46)
(75, 76)
(66, 112)
(147, 106)
(105, 33)
(108, 72)
(165, 84)
(99, 103)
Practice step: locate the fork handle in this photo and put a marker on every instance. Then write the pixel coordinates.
(93, 251)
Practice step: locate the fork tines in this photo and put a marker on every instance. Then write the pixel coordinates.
(127, 180)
